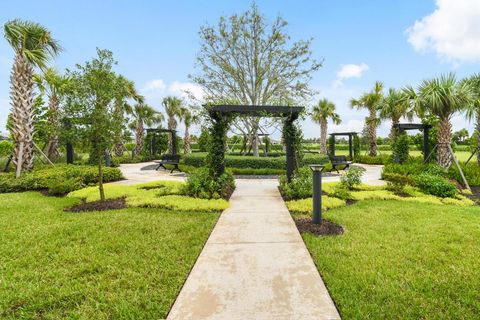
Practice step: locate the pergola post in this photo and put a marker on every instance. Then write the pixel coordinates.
(350, 147)
(290, 148)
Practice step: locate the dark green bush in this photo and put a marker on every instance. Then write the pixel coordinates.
(201, 185)
(471, 172)
(435, 185)
(199, 160)
(299, 188)
(397, 182)
(43, 177)
(380, 159)
(412, 168)
(401, 148)
(62, 187)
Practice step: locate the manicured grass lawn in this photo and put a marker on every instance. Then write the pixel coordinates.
(127, 264)
(401, 260)
(462, 156)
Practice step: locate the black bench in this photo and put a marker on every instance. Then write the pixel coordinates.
(171, 159)
(339, 161)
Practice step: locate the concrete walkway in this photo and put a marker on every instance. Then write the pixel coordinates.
(254, 265)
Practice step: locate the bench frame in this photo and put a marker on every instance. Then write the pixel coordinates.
(168, 159)
(339, 161)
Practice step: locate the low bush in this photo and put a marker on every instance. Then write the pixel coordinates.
(340, 192)
(63, 187)
(6, 148)
(299, 188)
(435, 185)
(352, 177)
(411, 169)
(280, 162)
(471, 172)
(201, 185)
(380, 159)
(44, 177)
(304, 206)
(397, 182)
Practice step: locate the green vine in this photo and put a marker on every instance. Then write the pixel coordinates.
(219, 125)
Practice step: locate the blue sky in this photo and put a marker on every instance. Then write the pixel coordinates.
(399, 42)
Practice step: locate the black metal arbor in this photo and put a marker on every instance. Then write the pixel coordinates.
(401, 127)
(350, 142)
(154, 132)
(221, 115)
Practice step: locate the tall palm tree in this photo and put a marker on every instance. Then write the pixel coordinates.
(143, 115)
(393, 107)
(173, 109)
(473, 110)
(189, 117)
(321, 113)
(52, 84)
(370, 101)
(442, 97)
(125, 90)
(33, 46)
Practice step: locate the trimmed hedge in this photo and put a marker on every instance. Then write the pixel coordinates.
(198, 160)
(52, 177)
(380, 159)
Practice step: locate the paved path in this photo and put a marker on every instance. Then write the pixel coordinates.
(371, 176)
(254, 265)
(135, 173)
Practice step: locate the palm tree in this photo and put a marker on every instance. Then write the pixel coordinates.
(394, 107)
(143, 114)
(188, 118)
(33, 46)
(53, 84)
(442, 97)
(173, 109)
(370, 101)
(125, 90)
(323, 111)
(473, 110)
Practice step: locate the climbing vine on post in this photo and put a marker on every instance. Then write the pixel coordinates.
(292, 135)
(219, 124)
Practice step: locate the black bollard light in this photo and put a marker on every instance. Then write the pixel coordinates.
(317, 192)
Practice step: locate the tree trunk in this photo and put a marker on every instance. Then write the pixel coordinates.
(444, 139)
(478, 135)
(139, 139)
(323, 137)
(372, 133)
(21, 95)
(172, 125)
(394, 131)
(100, 174)
(52, 147)
(119, 149)
(186, 141)
(255, 139)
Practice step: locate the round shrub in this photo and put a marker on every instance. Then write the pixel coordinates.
(202, 185)
(63, 187)
(435, 185)
(352, 177)
(299, 188)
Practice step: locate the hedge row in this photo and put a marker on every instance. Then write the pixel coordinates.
(198, 160)
(45, 177)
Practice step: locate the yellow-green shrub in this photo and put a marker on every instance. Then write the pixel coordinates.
(304, 206)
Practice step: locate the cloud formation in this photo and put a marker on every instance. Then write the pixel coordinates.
(351, 70)
(158, 89)
(452, 31)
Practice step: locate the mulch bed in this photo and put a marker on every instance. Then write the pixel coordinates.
(109, 204)
(326, 228)
(475, 194)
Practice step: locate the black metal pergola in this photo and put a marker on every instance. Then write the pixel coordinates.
(350, 143)
(173, 136)
(417, 126)
(290, 113)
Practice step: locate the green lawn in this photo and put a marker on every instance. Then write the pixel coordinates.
(402, 260)
(127, 264)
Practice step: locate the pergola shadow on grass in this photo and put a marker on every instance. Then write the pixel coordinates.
(221, 117)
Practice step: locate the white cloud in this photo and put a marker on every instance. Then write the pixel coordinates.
(351, 70)
(154, 85)
(185, 89)
(452, 31)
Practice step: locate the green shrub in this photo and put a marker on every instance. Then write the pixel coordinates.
(340, 192)
(352, 177)
(202, 185)
(397, 182)
(380, 159)
(299, 188)
(435, 185)
(6, 148)
(471, 172)
(62, 187)
(304, 206)
(42, 178)
(401, 148)
(412, 168)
